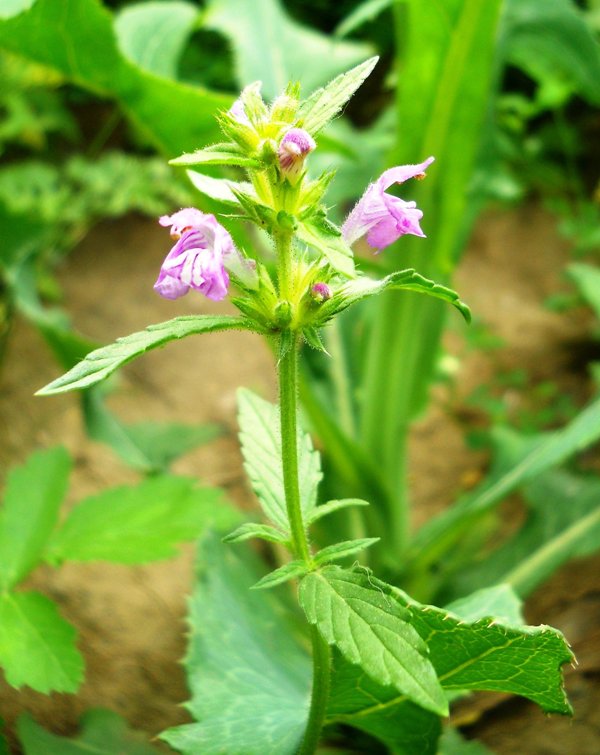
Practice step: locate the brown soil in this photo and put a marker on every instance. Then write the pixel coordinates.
(131, 620)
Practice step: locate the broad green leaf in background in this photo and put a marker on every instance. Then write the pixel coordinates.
(12, 7)
(372, 631)
(103, 362)
(37, 646)
(363, 13)
(153, 34)
(132, 525)
(77, 39)
(102, 733)
(499, 601)
(453, 743)
(249, 680)
(261, 447)
(32, 499)
(270, 47)
(587, 280)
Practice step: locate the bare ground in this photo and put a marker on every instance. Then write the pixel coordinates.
(131, 620)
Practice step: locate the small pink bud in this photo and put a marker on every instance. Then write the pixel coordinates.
(320, 292)
(293, 149)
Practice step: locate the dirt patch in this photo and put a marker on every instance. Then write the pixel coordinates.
(131, 620)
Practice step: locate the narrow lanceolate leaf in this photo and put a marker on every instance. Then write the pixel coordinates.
(356, 700)
(220, 189)
(328, 240)
(249, 530)
(141, 523)
(101, 363)
(373, 631)
(286, 572)
(250, 681)
(102, 733)
(331, 506)
(327, 102)
(29, 513)
(37, 646)
(487, 654)
(408, 280)
(261, 448)
(218, 154)
(342, 550)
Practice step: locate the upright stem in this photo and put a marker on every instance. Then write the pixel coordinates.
(288, 408)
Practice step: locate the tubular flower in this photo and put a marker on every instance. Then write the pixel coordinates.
(198, 258)
(383, 217)
(293, 149)
(238, 112)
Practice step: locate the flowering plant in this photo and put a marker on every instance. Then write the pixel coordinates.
(381, 662)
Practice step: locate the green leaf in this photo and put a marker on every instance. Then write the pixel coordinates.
(220, 189)
(453, 743)
(217, 154)
(288, 571)
(12, 7)
(587, 280)
(103, 362)
(372, 631)
(132, 525)
(362, 288)
(326, 103)
(261, 448)
(249, 680)
(153, 34)
(363, 13)
(37, 646)
(342, 550)
(500, 601)
(327, 239)
(356, 700)
(440, 533)
(77, 39)
(487, 654)
(34, 493)
(331, 506)
(102, 733)
(250, 529)
(287, 51)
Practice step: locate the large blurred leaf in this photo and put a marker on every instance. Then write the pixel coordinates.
(132, 525)
(552, 38)
(250, 682)
(260, 437)
(37, 646)
(153, 34)
(34, 493)
(272, 48)
(103, 733)
(587, 280)
(77, 38)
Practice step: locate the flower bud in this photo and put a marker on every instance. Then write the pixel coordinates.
(293, 149)
(320, 292)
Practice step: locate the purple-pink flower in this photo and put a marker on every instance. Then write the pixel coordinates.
(383, 217)
(198, 258)
(293, 149)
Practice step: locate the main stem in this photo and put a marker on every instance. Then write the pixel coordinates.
(288, 409)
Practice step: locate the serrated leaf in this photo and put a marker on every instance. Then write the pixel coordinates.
(32, 499)
(342, 550)
(408, 280)
(37, 646)
(250, 529)
(331, 506)
(261, 448)
(141, 523)
(326, 103)
(285, 46)
(153, 34)
(102, 733)
(288, 571)
(327, 240)
(103, 362)
(487, 654)
(372, 631)
(220, 189)
(216, 155)
(249, 680)
(356, 700)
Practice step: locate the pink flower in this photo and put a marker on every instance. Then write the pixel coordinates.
(197, 259)
(293, 149)
(383, 217)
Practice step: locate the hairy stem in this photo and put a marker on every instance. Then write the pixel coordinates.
(320, 693)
